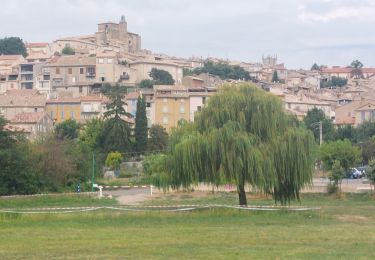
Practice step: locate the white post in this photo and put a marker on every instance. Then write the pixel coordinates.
(100, 191)
(151, 190)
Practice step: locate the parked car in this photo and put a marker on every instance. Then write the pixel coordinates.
(363, 169)
(354, 173)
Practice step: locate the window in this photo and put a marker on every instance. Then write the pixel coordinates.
(165, 109)
(203, 100)
(109, 61)
(102, 79)
(182, 109)
(62, 114)
(70, 70)
(46, 77)
(91, 71)
(148, 104)
(57, 70)
(72, 114)
(81, 70)
(199, 108)
(80, 89)
(100, 61)
(35, 109)
(165, 120)
(363, 116)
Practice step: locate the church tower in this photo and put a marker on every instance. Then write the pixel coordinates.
(123, 29)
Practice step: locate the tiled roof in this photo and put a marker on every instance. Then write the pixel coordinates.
(94, 98)
(28, 118)
(15, 128)
(337, 70)
(63, 100)
(72, 60)
(345, 121)
(109, 54)
(10, 57)
(36, 44)
(132, 95)
(38, 55)
(303, 100)
(346, 70)
(22, 98)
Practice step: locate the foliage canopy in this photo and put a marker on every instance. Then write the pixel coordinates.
(244, 137)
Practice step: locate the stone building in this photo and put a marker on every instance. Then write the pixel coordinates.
(110, 36)
(18, 101)
(33, 124)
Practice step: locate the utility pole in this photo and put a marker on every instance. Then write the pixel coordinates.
(93, 171)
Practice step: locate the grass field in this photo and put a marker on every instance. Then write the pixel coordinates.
(344, 228)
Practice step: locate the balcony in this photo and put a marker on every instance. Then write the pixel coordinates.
(27, 69)
(90, 74)
(124, 77)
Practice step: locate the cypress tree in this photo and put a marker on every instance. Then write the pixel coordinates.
(275, 77)
(140, 131)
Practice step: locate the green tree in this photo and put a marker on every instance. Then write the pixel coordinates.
(146, 83)
(12, 45)
(345, 132)
(114, 160)
(312, 119)
(141, 130)
(275, 77)
(161, 77)
(356, 64)
(115, 135)
(67, 50)
(370, 172)
(90, 135)
(158, 140)
(221, 69)
(57, 162)
(315, 67)
(365, 131)
(17, 172)
(337, 174)
(342, 151)
(334, 82)
(367, 150)
(67, 129)
(242, 136)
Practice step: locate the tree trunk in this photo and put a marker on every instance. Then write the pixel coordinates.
(242, 194)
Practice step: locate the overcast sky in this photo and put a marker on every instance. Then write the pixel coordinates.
(300, 32)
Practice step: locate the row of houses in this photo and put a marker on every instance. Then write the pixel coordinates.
(36, 114)
(78, 75)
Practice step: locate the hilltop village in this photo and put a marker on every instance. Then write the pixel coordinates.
(62, 80)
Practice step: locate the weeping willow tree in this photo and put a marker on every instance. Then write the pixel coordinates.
(242, 136)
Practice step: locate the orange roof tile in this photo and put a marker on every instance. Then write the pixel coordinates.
(32, 117)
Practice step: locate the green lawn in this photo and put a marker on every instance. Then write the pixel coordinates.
(344, 229)
(67, 200)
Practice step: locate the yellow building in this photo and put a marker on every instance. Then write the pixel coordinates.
(171, 105)
(61, 109)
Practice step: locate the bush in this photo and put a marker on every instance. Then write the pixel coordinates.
(332, 188)
(68, 50)
(113, 160)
